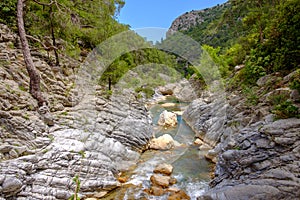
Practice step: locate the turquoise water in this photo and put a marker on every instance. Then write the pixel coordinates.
(191, 169)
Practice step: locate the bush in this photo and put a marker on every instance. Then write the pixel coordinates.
(295, 83)
(8, 12)
(278, 99)
(286, 110)
(250, 94)
(149, 92)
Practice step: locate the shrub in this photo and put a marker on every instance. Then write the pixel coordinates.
(286, 110)
(251, 95)
(149, 92)
(295, 83)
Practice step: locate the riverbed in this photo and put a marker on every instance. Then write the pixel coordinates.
(191, 169)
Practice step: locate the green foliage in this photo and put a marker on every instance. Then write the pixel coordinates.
(250, 94)
(234, 55)
(283, 37)
(22, 88)
(83, 25)
(286, 110)
(251, 72)
(133, 59)
(108, 94)
(218, 60)
(263, 35)
(76, 180)
(282, 107)
(213, 30)
(51, 137)
(278, 99)
(148, 91)
(295, 82)
(8, 13)
(82, 153)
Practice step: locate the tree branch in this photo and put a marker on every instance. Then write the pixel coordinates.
(47, 48)
(44, 4)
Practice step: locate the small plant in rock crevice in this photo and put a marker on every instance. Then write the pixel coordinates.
(77, 188)
(278, 99)
(295, 82)
(250, 94)
(286, 110)
(149, 92)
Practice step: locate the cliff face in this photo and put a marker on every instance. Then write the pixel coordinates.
(89, 136)
(186, 21)
(256, 156)
(195, 18)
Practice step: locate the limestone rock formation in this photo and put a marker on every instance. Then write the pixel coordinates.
(163, 142)
(183, 90)
(160, 180)
(89, 136)
(256, 157)
(192, 19)
(164, 168)
(167, 119)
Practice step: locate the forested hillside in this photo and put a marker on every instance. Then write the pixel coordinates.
(71, 25)
(261, 34)
(249, 40)
(78, 114)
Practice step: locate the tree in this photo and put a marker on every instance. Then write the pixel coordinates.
(34, 86)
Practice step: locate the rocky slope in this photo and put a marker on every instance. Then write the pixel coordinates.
(87, 135)
(256, 156)
(195, 18)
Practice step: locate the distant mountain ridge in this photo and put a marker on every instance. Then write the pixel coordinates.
(216, 26)
(196, 17)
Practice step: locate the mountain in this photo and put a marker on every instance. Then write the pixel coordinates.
(196, 22)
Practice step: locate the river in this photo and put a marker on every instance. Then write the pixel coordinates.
(191, 169)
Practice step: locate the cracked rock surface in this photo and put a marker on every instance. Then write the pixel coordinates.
(90, 136)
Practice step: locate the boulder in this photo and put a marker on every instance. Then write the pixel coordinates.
(173, 181)
(179, 195)
(283, 92)
(11, 185)
(242, 192)
(167, 89)
(164, 142)
(160, 180)
(295, 96)
(238, 67)
(268, 79)
(198, 142)
(205, 147)
(173, 189)
(157, 191)
(184, 92)
(164, 168)
(168, 119)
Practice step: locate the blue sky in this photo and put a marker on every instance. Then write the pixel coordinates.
(141, 14)
(159, 13)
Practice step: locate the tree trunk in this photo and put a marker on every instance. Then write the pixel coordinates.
(34, 87)
(53, 38)
(109, 83)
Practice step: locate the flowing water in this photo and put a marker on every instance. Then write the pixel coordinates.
(191, 169)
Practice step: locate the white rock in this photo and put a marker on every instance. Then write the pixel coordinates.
(164, 142)
(205, 147)
(70, 145)
(168, 119)
(198, 141)
(164, 168)
(160, 180)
